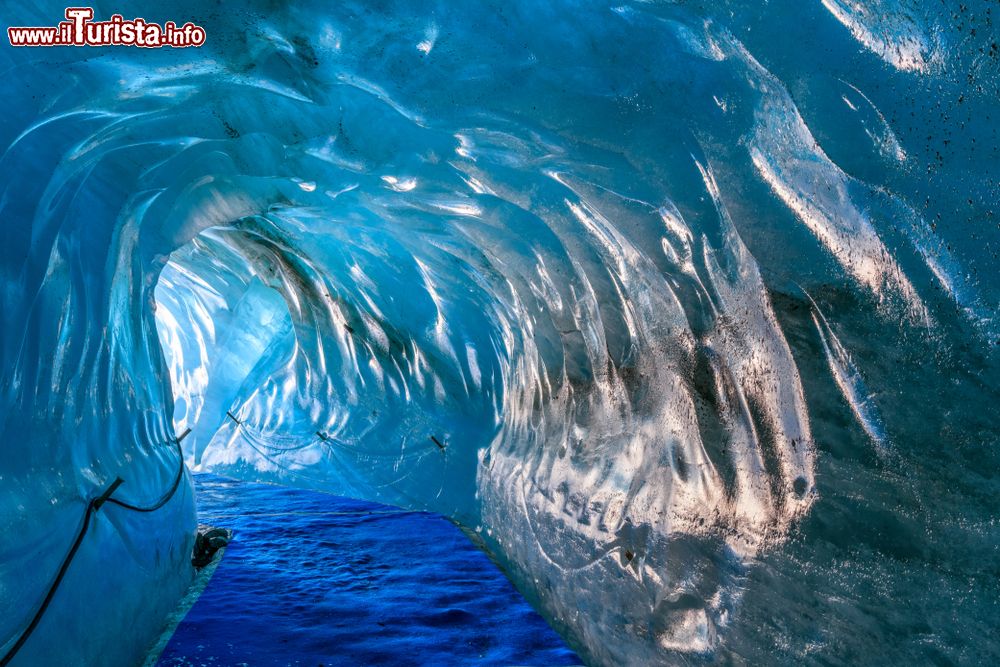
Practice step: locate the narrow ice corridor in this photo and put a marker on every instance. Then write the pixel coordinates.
(269, 395)
(686, 315)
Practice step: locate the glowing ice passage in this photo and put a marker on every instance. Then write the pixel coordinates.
(686, 313)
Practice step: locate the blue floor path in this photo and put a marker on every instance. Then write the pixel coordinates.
(314, 579)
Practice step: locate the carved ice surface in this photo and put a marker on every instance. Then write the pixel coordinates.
(687, 314)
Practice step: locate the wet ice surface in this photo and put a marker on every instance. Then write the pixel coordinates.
(688, 310)
(313, 579)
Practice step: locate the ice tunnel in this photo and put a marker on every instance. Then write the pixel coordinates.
(685, 312)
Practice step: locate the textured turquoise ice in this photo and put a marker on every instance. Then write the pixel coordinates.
(688, 311)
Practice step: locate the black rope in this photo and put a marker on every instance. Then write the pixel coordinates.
(92, 507)
(169, 494)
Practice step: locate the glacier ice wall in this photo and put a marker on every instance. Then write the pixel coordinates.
(687, 313)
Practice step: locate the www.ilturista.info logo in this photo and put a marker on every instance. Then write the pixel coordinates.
(80, 30)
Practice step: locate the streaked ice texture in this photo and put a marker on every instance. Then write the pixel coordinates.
(686, 312)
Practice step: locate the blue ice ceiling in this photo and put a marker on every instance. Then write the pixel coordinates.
(686, 312)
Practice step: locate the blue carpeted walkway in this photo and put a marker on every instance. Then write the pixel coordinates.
(313, 579)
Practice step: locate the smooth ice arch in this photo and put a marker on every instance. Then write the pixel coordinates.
(508, 279)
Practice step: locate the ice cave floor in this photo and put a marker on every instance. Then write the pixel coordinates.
(314, 579)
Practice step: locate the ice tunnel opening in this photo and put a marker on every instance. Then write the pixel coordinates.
(290, 368)
(218, 331)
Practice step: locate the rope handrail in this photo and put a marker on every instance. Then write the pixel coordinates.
(92, 507)
(323, 438)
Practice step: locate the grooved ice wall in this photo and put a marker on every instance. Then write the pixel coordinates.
(685, 313)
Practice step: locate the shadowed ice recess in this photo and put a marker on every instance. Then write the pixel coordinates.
(685, 312)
